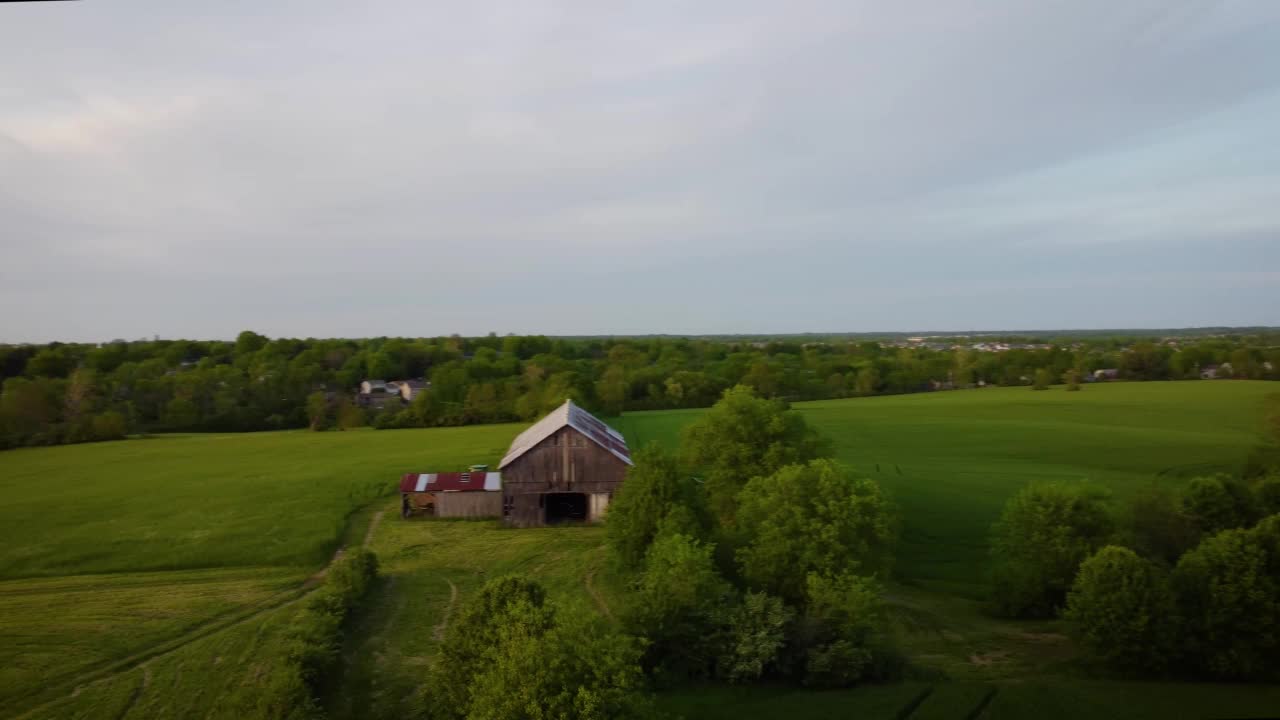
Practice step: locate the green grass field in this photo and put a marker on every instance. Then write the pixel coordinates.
(177, 548)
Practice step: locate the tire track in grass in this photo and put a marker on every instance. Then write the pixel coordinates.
(981, 707)
(438, 631)
(915, 703)
(595, 593)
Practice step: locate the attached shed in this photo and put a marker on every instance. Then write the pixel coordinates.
(564, 468)
(452, 495)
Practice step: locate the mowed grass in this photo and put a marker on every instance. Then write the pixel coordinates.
(952, 459)
(109, 549)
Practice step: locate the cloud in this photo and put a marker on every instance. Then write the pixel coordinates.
(332, 169)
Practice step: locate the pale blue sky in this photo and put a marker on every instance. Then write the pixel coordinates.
(416, 168)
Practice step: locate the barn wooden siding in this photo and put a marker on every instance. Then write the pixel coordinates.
(469, 504)
(566, 461)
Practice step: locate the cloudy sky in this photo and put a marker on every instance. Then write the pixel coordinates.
(414, 168)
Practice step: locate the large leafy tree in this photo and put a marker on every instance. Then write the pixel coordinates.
(1120, 606)
(1228, 598)
(655, 488)
(1043, 535)
(744, 436)
(819, 517)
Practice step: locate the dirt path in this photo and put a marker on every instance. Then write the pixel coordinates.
(144, 658)
(438, 631)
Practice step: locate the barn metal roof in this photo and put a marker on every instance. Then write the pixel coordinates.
(451, 482)
(576, 418)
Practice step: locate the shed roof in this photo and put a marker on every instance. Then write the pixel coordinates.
(575, 417)
(451, 482)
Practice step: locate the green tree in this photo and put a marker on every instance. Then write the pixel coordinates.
(1228, 604)
(743, 436)
(1218, 502)
(475, 639)
(1042, 536)
(1073, 380)
(319, 414)
(841, 633)
(584, 673)
(249, 342)
(655, 487)
(612, 390)
(1043, 379)
(1120, 607)
(1155, 524)
(819, 517)
(755, 633)
(677, 604)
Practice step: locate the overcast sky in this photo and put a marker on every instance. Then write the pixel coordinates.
(416, 168)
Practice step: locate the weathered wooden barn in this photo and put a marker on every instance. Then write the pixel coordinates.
(452, 495)
(564, 468)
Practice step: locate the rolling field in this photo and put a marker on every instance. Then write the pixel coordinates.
(187, 545)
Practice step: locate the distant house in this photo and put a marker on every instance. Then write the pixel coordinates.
(1107, 374)
(410, 389)
(375, 394)
(472, 494)
(565, 467)
(1209, 372)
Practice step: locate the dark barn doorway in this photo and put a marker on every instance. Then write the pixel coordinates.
(565, 507)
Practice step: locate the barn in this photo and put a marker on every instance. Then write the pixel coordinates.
(452, 495)
(564, 468)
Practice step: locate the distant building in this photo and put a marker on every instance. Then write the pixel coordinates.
(1209, 372)
(1107, 374)
(473, 494)
(410, 389)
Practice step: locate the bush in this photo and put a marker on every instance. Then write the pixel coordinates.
(584, 673)
(755, 632)
(477, 632)
(841, 633)
(1120, 607)
(815, 518)
(1043, 535)
(1157, 527)
(506, 658)
(1267, 492)
(743, 436)
(654, 489)
(1218, 503)
(677, 606)
(1228, 605)
(316, 635)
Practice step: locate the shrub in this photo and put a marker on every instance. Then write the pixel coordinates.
(1043, 535)
(1228, 605)
(477, 634)
(1120, 607)
(1157, 526)
(814, 518)
(755, 632)
(654, 489)
(583, 673)
(677, 606)
(841, 633)
(1267, 492)
(743, 436)
(1218, 503)
(316, 634)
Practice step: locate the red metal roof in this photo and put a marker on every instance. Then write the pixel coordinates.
(450, 482)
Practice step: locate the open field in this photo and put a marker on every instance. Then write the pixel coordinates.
(952, 459)
(113, 549)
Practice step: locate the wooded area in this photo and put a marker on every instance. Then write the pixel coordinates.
(61, 392)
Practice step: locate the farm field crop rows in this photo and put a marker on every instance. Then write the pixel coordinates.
(112, 548)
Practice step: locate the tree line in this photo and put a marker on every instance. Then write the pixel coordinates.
(65, 392)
